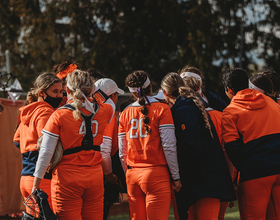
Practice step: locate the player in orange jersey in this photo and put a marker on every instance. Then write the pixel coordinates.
(77, 183)
(109, 147)
(45, 96)
(147, 147)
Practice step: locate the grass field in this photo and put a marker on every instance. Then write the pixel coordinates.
(231, 214)
(121, 212)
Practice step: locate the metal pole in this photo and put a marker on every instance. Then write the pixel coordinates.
(8, 63)
(8, 66)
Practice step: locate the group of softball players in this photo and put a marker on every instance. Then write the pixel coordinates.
(189, 148)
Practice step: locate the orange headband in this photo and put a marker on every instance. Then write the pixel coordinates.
(65, 72)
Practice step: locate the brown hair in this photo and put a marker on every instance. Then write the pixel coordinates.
(137, 79)
(173, 83)
(187, 92)
(263, 82)
(42, 83)
(275, 78)
(192, 82)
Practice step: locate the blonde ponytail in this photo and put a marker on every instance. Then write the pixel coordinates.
(81, 83)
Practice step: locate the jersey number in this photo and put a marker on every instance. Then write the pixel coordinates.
(133, 130)
(94, 123)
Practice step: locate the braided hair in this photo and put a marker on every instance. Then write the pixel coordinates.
(82, 83)
(174, 85)
(137, 79)
(187, 92)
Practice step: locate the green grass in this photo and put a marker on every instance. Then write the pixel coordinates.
(231, 214)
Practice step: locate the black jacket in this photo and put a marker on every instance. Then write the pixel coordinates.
(203, 168)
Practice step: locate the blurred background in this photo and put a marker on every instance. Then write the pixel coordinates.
(118, 36)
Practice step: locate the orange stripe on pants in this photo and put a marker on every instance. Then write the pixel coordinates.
(149, 193)
(26, 185)
(77, 192)
(254, 196)
(205, 209)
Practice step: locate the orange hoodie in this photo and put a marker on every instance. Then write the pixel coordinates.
(251, 134)
(31, 121)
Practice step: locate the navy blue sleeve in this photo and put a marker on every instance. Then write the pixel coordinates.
(214, 101)
(234, 152)
(17, 145)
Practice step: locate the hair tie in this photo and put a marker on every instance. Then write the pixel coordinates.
(142, 93)
(68, 70)
(88, 104)
(184, 74)
(252, 86)
(145, 85)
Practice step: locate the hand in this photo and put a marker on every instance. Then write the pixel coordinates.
(177, 185)
(111, 178)
(36, 184)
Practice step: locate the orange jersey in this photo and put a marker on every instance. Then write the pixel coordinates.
(31, 120)
(144, 150)
(71, 132)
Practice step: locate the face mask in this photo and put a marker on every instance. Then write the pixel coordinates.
(54, 102)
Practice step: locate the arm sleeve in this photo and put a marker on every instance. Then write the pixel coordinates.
(232, 140)
(45, 154)
(168, 140)
(123, 150)
(106, 148)
(122, 144)
(110, 102)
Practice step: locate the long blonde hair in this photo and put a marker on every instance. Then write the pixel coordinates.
(80, 82)
(42, 83)
(174, 85)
